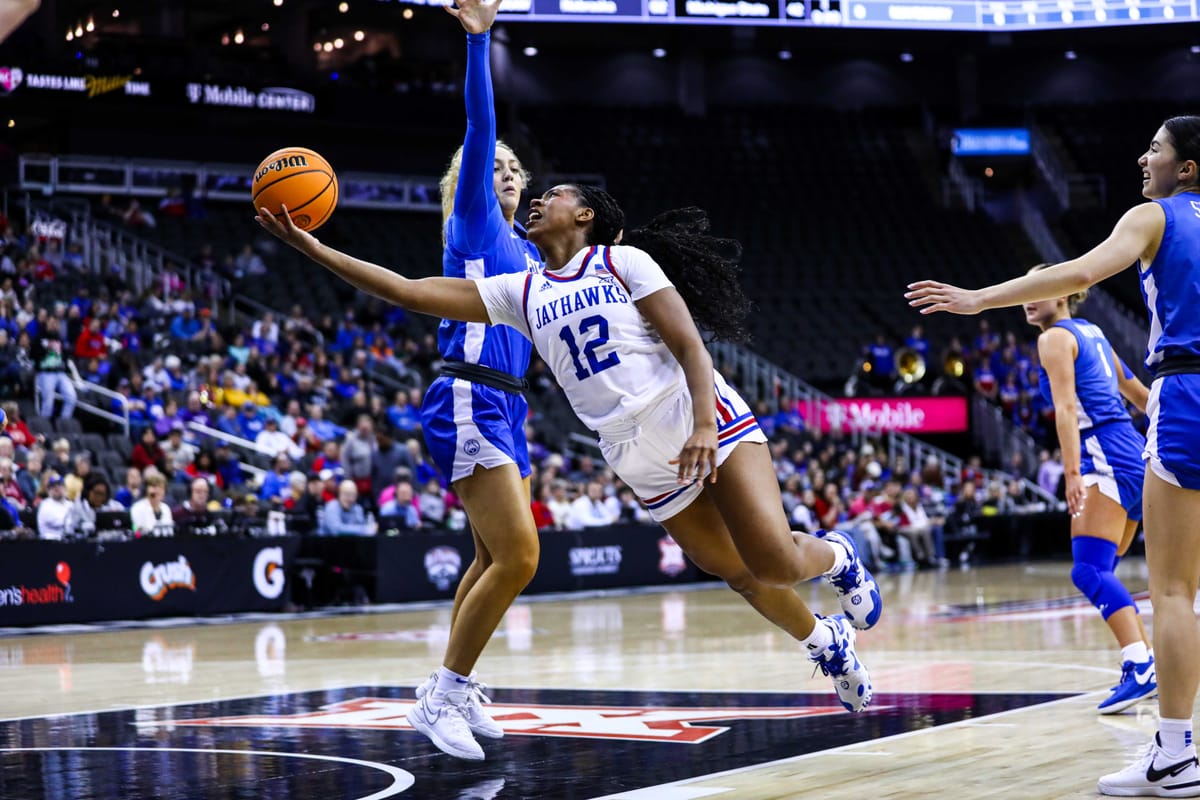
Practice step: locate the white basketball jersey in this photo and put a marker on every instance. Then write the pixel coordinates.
(583, 322)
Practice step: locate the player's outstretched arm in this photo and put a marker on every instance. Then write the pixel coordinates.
(449, 298)
(477, 216)
(1136, 236)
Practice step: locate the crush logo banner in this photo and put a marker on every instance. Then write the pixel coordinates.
(906, 414)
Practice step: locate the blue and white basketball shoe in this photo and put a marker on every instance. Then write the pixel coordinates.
(1138, 682)
(855, 586)
(851, 680)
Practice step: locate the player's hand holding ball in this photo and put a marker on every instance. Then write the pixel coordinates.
(294, 191)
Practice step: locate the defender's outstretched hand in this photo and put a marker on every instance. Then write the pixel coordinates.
(931, 296)
(286, 231)
(476, 16)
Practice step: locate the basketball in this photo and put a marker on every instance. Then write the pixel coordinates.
(300, 179)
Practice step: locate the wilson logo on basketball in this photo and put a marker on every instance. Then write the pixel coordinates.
(158, 579)
(631, 723)
(279, 165)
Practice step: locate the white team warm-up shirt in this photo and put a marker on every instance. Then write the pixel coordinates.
(583, 322)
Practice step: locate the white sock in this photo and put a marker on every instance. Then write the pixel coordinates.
(1174, 735)
(1136, 652)
(820, 638)
(448, 680)
(840, 557)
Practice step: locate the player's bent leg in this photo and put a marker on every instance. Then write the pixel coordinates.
(747, 494)
(701, 531)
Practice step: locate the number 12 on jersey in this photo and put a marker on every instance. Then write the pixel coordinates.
(599, 339)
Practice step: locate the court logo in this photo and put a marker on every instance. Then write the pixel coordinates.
(51, 594)
(442, 566)
(471, 447)
(671, 561)
(269, 576)
(677, 725)
(158, 579)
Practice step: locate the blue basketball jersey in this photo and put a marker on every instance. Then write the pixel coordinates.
(496, 346)
(1096, 386)
(1171, 284)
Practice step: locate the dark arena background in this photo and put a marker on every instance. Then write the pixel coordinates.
(851, 146)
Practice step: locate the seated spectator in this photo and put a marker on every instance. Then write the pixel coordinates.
(330, 458)
(16, 429)
(559, 503)
(150, 516)
(589, 509)
(344, 516)
(205, 466)
(304, 502)
(273, 441)
(916, 526)
(32, 477)
(177, 453)
(402, 415)
(52, 511)
(90, 343)
(250, 421)
(322, 429)
(9, 488)
(804, 515)
(287, 422)
(433, 504)
(147, 452)
(131, 492)
(275, 484)
(630, 510)
(229, 469)
(401, 506)
(387, 456)
(195, 515)
(94, 497)
(539, 506)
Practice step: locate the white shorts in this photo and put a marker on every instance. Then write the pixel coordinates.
(641, 453)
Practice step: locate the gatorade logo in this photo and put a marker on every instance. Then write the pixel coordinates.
(269, 577)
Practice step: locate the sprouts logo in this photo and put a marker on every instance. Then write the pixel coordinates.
(268, 572)
(595, 560)
(51, 594)
(158, 579)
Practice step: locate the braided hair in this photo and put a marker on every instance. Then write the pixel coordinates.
(703, 267)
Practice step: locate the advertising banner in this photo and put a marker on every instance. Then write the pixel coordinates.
(52, 582)
(904, 414)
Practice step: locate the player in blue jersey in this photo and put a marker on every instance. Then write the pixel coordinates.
(1082, 377)
(615, 324)
(473, 415)
(1163, 237)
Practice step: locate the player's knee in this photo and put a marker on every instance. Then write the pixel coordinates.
(1092, 574)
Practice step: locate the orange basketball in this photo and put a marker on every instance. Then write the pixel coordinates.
(300, 179)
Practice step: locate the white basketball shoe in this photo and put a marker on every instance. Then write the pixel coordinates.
(480, 722)
(1155, 774)
(440, 717)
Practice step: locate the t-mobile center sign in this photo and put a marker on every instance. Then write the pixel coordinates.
(906, 414)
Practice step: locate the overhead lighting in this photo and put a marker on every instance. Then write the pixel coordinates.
(339, 43)
(1196, 49)
(659, 52)
(359, 36)
(316, 47)
(116, 13)
(12, 123)
(1070, 55)
(408, 13)
(70, 35)
(343, 7)
(906, 58)
(785, 55)
(78, 30)
(224, 38)
(91, 25)
(530, 51)
(266, 26)
(239, 37)
(327, 47)
(278, 3)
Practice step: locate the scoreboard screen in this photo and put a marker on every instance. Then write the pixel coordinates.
(967, 15)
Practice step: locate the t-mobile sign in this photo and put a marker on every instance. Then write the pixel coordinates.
(906, 414)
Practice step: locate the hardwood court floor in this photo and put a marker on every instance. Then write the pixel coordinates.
(986, 684)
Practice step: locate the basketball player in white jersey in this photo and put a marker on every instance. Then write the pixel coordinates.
(621, 340)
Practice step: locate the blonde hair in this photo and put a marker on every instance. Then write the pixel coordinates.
(448, 185)
(1073, 300)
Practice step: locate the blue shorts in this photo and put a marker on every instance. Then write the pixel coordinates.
(1111, 458)
(1173, 438)
(468, 424)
